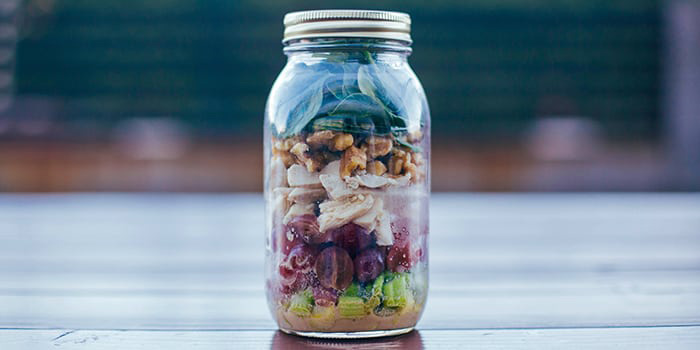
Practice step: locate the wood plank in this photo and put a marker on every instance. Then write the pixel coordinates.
(498, 261)
(591, 338)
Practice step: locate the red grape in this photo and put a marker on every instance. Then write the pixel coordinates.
(352, 238)
(325, 296)
(400, 230)
(295, 269)
(306, 226)
(368, 265)
(334, 268)
(399, 258)
(288, 240)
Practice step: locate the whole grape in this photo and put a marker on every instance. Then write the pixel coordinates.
(352, 238)
(295, 269)
(398, 259)
(368, 265)
(306, 227)
(334, 268)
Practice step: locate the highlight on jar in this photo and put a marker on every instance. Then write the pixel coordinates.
(347, 188)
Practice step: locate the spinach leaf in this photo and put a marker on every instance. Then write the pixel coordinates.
(354, 123)
(308, 105)
(412, 147)
(384, 89)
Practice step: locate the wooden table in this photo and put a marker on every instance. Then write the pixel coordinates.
(123, 271)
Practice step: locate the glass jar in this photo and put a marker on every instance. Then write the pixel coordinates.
(347, 178)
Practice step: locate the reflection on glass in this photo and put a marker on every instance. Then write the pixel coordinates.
(410, 341)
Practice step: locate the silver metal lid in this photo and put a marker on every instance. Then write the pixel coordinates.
(347, 24)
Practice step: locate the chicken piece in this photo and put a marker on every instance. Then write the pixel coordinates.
(377, 220)
(383, 229)
(306, 195)
(333, 168)
(374, 181)
(280, 202)
(298, 209)
(335, 186)
(369, 219)
(278, 173)
(331, 181)
(353, 158)
(298, 176)
(336, 213)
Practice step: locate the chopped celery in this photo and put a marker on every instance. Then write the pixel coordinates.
(322, 317)
(374, 293)
(396, 292)
(302, 303)
(351, 306)
(352, 291)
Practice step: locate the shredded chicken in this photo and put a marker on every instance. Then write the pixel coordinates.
(336, 213)
(306, 195)
(298, 209)
(298, 176)
(278, 173)
(377, 220)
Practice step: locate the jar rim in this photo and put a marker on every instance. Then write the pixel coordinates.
(347, 23)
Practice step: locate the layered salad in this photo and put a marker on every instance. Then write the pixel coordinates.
(347, 200)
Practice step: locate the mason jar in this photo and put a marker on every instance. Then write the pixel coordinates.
(347, 178)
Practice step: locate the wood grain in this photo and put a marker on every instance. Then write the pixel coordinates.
(506, 270)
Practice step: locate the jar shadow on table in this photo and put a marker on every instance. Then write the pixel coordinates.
(408, 341)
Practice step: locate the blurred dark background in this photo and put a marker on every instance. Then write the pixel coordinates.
(168, 95)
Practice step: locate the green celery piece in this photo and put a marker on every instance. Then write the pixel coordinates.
(322, 317)
(302, 303)
(352, 291)
(374, 293)
(396, 292)
(351, 306)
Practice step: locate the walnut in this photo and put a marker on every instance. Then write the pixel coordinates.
(396, 166)
(415, 136)
(332, 140)
(301, 151)
(352, 159)
(341, 142)
(378, 146)
(397, 161)
(320, 139)
(376, 167)
(286, 144)
(286, 157)
(418, 159)
(412, 169)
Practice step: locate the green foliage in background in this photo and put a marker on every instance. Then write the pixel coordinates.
(489, 67)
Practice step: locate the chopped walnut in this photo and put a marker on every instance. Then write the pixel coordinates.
(285, 156)
(411, 169)
(378, 146)
(286, 144)
(376, 167)
(301, 151)
(415, 136)
(352, 159)
(320, 139)
(418, 159)
(341, 142)
(397, 161)
(332, 140)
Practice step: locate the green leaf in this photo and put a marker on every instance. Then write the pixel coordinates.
(412, 147)
(302, 303)
(306, 110)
